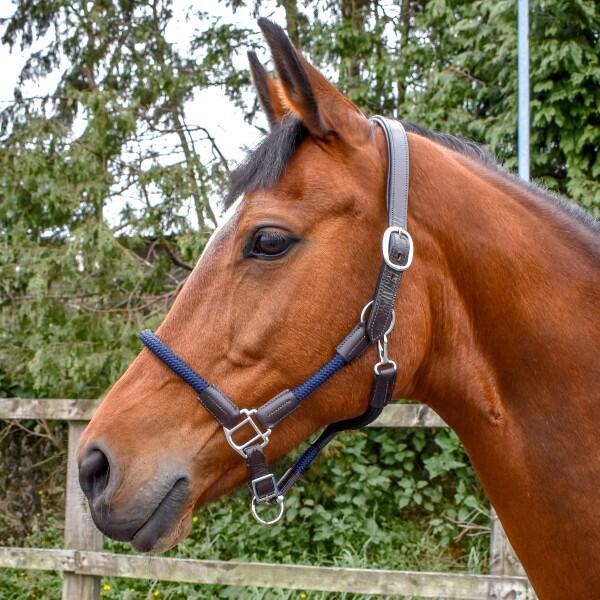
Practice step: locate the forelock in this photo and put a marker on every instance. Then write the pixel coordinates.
(264, 166)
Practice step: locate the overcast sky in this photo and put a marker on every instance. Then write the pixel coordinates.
(209, 109)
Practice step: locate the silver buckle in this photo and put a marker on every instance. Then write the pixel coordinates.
(257, 499)
(385, 244)
(268, 497)
(260, 435)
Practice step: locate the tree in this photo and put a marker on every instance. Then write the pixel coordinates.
(452, 65)
(76, 285)
(469, 85)
(115, 129)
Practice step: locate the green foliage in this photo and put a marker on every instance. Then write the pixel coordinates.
(104, 207)
(76, 287)
(388, 499)
(470, 85)
(452, 65)
(114, 133)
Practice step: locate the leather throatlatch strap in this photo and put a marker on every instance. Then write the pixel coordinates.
(382, 388)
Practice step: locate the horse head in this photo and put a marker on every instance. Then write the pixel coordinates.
(276, 288)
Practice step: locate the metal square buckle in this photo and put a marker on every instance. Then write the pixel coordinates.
(263, 436)
(385, 244)
(266, 497)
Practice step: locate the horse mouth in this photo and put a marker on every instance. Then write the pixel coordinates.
(158, 529)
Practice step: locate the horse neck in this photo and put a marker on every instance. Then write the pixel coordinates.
(512, 364)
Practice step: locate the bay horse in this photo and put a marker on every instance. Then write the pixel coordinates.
(498, 329)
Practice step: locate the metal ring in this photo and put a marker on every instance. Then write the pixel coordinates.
(364, 311)
(260, 435)
(263, 521)
(363, 319)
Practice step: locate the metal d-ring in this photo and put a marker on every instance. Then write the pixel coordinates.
(363, 312)
(363, 315)
(260, 519)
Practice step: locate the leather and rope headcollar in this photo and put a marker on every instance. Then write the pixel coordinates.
(375, 324)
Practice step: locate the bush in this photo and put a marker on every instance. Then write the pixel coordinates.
(397, 499)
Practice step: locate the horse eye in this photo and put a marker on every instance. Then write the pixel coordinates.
(269, 244)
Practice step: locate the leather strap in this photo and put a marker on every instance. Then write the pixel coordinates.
(398, 170)
(383, 386)
(382, 389)
(355, 343)
(277, 409)
(262, 483)
(222, 409)
(399, 246)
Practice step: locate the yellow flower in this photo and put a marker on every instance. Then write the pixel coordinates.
(157, 593)
(302, 595)
(106, 587)
(195, 519)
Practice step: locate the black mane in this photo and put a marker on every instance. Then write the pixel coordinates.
(265, 165)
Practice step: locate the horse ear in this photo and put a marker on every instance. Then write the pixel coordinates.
(293, 78)
(306, 91)
(266, 89)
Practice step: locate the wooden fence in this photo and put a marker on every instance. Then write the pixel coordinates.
(83, 562)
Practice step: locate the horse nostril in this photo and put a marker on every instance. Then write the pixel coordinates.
(94, 473)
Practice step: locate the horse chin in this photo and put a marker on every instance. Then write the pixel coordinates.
(169, 539)
(168, 524)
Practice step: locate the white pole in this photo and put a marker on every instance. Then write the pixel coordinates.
(523, 52)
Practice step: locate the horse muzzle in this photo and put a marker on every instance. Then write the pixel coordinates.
(148, 515)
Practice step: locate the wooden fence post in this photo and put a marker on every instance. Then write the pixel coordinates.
(80, 531)
(503, 561)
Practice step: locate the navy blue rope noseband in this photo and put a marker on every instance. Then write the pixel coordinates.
(199, 384)
(174, 362)
(315, 381)
(397, 254)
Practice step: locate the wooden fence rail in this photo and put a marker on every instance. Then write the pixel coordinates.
(83, 562)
